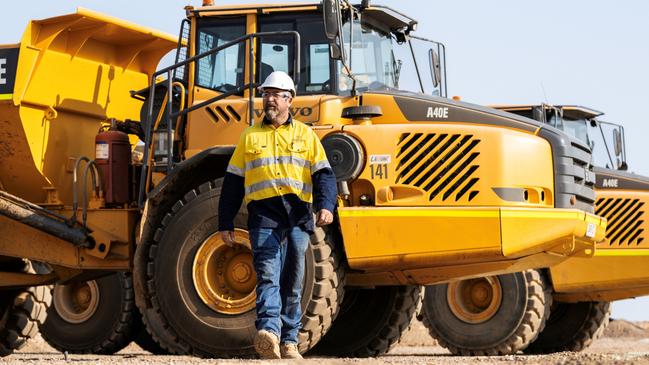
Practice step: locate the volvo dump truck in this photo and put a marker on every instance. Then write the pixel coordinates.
(430, 189)
(581, 289)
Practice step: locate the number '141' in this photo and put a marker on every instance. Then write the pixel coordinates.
(379, 171)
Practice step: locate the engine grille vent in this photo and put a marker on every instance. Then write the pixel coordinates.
(444, 165)
(625, 220)
(227, 114)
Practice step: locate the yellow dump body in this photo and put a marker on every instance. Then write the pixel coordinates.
(69, 74)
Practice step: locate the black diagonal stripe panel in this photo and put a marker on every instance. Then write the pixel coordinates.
(625, 228)
(466, 188)
(601, 205)
(419, 153)
(629, 232)
(626, 206)
(457, 171)
(620, 207)
(416, 139)
(414, 152)
(402, 138)
(410, 139)
(635, 236)
(450, 191)
(449, 166)
(615, 224)
(604, 212)
(434, 158)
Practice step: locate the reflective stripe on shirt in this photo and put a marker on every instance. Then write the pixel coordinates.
(235, 170)
(302, 188)
(319, 166)
(276, 161)
(288, 160)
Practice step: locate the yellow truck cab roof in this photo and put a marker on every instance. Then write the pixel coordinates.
(570, 111)
(391, 18)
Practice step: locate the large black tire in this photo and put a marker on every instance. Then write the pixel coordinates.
(511, 325)
(572, 327)
(144, 339)
(21, 311)
(102, 324)
(182, 323)
(371, 321)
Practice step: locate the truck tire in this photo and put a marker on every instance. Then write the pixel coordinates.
(571, 327)
(495, 315)
(144, 339)
(202, 292)
(91, 317)
(21, 311)
(371, 321)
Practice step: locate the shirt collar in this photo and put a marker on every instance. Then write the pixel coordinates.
(289, 121)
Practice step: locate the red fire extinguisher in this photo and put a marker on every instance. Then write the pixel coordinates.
(113, 158)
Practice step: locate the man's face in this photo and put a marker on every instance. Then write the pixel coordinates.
(276, 102)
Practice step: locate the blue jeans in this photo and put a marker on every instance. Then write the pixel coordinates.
(278, 258)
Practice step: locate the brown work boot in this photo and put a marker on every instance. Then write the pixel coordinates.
(289, 351)
(267, 345)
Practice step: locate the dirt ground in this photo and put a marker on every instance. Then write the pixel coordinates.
(623, 343)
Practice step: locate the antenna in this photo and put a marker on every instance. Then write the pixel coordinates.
(545, 96)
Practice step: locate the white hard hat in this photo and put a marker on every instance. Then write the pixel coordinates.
(279, 80)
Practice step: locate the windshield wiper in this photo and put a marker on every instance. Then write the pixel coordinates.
(396, 65)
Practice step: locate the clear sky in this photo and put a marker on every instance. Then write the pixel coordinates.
(591, 53)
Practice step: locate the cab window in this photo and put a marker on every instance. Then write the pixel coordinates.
(277, 54)
(223, 71)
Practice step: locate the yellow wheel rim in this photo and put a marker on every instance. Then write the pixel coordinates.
(475, 300)
(76, 302)
(224, 276)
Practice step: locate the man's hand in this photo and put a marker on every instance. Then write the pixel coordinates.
(228, 238)
(324, 217)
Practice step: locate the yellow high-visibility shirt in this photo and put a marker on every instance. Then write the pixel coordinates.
(278, 161)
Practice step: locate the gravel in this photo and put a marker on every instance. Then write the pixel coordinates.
(623, 343)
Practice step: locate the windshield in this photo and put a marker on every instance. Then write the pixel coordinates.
(607, 152)
(577, 128)
(371, 59)
(379, 62)
(599, 136)
(592, 136)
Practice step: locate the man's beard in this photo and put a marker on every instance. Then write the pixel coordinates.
(271, 112)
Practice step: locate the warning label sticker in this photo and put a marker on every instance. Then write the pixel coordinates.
(101, 151)
(591, 230)
(379, 159)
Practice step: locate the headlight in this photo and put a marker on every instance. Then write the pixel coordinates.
(345, 154)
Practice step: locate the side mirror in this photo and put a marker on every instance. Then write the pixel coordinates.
(617, 142)
(435, 69)
(331, 14)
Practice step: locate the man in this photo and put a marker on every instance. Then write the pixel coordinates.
(279, 166)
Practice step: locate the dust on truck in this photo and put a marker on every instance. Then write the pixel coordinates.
(431, 189)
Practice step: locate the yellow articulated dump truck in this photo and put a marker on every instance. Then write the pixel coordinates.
(112, 171)
(60, 84)
(581, 288)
